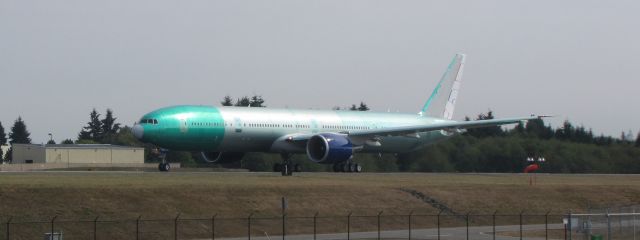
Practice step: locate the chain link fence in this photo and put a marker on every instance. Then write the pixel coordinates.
(380, 226)
(619, 224)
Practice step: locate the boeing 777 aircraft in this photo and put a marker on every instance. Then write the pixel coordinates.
(225, 134)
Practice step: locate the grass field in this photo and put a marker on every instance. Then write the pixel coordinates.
(39, 195)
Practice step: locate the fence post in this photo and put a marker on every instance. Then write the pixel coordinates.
(466, 217)
(521, 212)
(138, 227)
(315, 222)
(410, 214)
(546, 225)
(569, 224)
(438, 223)
(52, 225)
(249, 226)
(349, 226)
(380, 213)
(284, 225)
(494, 224)
(8, 223)
(175, 227)
(95, 228)
(634, 222)
(213, 226)
(608, 225)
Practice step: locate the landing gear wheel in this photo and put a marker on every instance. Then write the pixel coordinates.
(358, 168)
(352, 167)
(287, 169)
(345, 167)
(287, 166)
(164, 167)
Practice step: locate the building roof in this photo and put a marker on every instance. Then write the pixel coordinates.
(80, 146)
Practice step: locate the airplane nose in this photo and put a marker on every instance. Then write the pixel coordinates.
(138, 131)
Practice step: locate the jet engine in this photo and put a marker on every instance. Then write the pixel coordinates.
(221, 157)
(329, 148)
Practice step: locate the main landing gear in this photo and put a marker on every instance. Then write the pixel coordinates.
(286, 167)
(347, 167)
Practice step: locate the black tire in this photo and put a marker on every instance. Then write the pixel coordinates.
(277, 167)
(358, 168)
(166, 167)
(352, 167)
(160, 167)
(344, 167)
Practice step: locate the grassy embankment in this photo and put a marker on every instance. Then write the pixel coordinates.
(114, 195)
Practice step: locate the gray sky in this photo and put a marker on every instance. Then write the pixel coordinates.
(59, 59)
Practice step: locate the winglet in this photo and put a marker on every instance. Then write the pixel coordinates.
(442, 101)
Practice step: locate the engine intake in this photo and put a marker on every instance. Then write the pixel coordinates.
(222, 157)
(329, 148)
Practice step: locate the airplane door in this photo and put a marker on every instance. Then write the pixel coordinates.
(238, 124)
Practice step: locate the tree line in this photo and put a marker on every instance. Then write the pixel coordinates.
(568, 148)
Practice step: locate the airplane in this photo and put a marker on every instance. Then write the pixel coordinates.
(225, 134)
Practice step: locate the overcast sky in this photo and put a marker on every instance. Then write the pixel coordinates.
(60, 59)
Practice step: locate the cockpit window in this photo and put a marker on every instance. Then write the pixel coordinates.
(149, 121)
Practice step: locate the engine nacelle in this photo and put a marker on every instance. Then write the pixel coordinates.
(329, 148)
(222, 157)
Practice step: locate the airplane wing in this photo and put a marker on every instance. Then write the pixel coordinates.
(407, 130)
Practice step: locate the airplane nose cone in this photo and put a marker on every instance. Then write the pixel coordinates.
(138, 131)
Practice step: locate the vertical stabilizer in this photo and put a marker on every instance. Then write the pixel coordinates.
(443, 98)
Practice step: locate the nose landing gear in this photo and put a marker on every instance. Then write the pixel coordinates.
(164, 166)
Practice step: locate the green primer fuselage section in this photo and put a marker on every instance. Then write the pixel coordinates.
(244, 129)
(188, 128)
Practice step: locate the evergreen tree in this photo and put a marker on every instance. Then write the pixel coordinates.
(19, 133)
(257, 101)
(363, 107)
(227, 101)
(3, 140)
(84, 135)
(109, 125)
(9, 156)
(484, 131)
(93, 131)
(519, 128)
(243, 102)
(638, 140)
(67, 141)
(3, 136)
(353, 107)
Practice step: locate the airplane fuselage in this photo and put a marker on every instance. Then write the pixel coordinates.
(245, 129)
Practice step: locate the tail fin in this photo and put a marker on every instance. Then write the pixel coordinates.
(443, 99)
